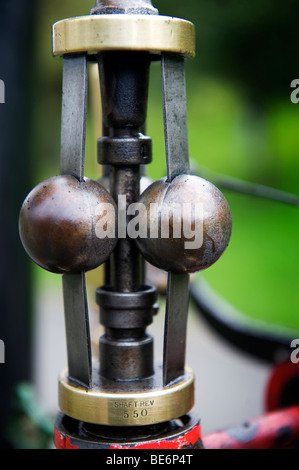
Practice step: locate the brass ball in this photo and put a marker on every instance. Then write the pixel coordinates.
(57, 224)
(210, 224)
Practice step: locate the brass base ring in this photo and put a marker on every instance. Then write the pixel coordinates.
(123, 408)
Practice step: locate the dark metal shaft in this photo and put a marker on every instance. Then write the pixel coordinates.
(124, 81)
(126, 306)
(124, 6)
(126, 264)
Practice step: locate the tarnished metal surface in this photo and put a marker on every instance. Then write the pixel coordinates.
(73, 116)
(73, 134)
(57, 227)
(57, 224)
(170, 253)
(126, 310)
(177, 162)
(175, 115)
(124, 78)
(135, 150)
(126, 268)
(77, 328)
(177, 304)
(126, 359)
(141, 7)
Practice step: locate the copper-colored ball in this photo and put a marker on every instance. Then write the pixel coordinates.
(214, 221)
(57, 224)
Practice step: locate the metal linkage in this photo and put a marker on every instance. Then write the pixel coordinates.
(175, 115)
(72, 153)
(77, 328)
(177, 161)
(73, 116)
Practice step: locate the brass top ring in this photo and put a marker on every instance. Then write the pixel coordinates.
(150, 33)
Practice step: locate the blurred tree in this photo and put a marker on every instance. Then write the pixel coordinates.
(251, 43)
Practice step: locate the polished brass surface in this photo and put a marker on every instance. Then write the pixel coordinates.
(150, 33)
(126, 408)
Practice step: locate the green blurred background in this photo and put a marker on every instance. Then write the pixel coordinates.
(241, 121)
(242, 124)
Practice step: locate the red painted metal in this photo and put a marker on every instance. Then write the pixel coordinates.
(275, 430)
(61, 441)
(68, 436)
(280, 376)
(190, 438)
(187, 439)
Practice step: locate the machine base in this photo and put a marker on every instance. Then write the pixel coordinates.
(183, 433)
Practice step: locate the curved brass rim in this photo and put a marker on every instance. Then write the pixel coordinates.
(150, 33)
(126, 409)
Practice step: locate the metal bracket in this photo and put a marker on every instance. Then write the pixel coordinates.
(177, 160)
(72, 153)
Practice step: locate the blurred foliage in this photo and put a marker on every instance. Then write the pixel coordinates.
(241, 123)
(29, 427)
(251, 43)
